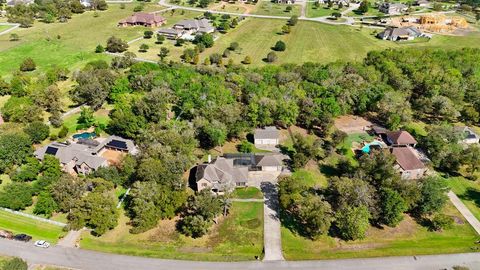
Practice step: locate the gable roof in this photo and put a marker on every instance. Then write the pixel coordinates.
(66, 153)
(401, 137)
(141, 17)
(407, 159)
(202, 25)
(394, 32)
(268, 160)
(270, 132)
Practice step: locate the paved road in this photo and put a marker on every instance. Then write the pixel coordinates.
(464, 211)
(89, 260)
(272, 237)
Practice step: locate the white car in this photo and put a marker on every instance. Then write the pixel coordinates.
(42, 244)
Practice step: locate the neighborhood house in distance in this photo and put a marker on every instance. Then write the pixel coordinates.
(87, 155)
(187, 29)
(143, 19)
(402, 33)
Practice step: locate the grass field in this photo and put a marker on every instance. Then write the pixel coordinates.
(311, 176)
(322, 10)
(408, 238)
(468, 191)
(4, 27)
(274, 9)
(236, 238)
(37, 229)
(68, 44)
(247, 193)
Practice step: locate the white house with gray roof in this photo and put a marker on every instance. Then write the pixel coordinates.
(85, 155)
(268, 136)
(401, 33)
(187, 29)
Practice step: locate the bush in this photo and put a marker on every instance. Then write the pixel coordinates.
(293, 21)
(15, 264)
(280, 46)
(148, 34)
(215, 58)
(138, 8)
(442, 222)
(226, 53)
(16, 196)
(37, 131)
(28, 65)
(194, 226)
(63, 132)
(116, 45)
(245, 147)
(271, 57)
(143, 48)
(233, 46)
(99, 49)
(247, 60)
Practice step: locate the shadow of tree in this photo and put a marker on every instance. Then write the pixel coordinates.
(471, 194)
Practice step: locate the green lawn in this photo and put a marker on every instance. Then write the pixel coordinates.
(346, 146)
(407, 239)
(238, 237)
(321, 11)
(274, 9)
(35, 228)
(247, 193)
(311, 176)
(4, 27)
(68, 44)
(468, 191)
(101, 117)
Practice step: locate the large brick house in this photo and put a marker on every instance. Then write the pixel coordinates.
(143, 19)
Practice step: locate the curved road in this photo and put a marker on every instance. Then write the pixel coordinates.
(90, 260)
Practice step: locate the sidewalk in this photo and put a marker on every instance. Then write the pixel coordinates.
(464, 211)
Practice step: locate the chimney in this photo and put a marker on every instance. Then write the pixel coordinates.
(209, 158)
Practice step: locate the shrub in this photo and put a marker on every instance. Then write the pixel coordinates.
(233, 46)
(148, 34)
(293, 20)
(247, 60)
(442, 222)
(28, 65)
(15, 264)
(271, 57)
(143, 48)
(226, 53)
(37, 131)
(99, 49)
(138, 8)
(280, 46)
(63, 132)
(215, 58)
(116, 45)
(245, 147)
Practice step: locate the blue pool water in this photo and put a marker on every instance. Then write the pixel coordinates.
(366, 148)
(85, 135)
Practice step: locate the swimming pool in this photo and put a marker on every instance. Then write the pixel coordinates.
(85, 135)
(366, 148)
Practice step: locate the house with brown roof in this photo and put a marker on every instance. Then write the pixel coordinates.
(407, 163)
(400, 138)
(143, 19)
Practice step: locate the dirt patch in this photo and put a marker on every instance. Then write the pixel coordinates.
(352, 124)
(113, 157)
(164, 232)
(406, 228)
(344, 246)
(458, 220)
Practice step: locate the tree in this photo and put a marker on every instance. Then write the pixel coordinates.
(280, 46)
(336, 15)
(286, 29)
(28, 65)
(205, 39)
(215, 58)
(14, 149)
(352, 222)
(471, 160)
(143, 48)
(16, 196)
(234, 46)
(99, 49)
(14, 37)
(247, 60)
(21, 110)
(38, 131)
(442, 222)
(148, 34)
(194, 226)
(314, 215)
(163, 53)
(199, 212)
(226, 53)
(433, 197)
(86, 118)
(45, 205)
(347, 191)
(245, 146)
(392, 207)
(63, 132)
(116, 45)
(160, 39)
(67, 191)
(364, 6)
(394, 109)
(288, 9)
(271, 57)
(293, 20)
(15, 264)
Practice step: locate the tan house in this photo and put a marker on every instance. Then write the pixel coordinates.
(143, 19)
(408, 163)
(267, 136)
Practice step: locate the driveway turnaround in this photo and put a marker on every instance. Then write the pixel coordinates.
(89, 260)
(272, 237)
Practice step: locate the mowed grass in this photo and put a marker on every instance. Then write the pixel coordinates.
(322, 10)
(317, 42)
(70, 44)
(4, 27)
(247, 193)
(238, 237)
(275, 9)
(311, 176)
(468, 191)
(407, 239)
(36, 229)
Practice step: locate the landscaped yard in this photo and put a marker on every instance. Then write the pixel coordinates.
(69, 44)
(311, 176)
(274, 9)
(321, 11)
(408, 238)
(238, 237)
(468, 191)
(247, 193)
(37, 229)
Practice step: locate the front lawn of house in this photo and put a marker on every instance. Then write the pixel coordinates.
(407, 239)
(247, 193)
(275, 9)
(468, 191)
(238, 237)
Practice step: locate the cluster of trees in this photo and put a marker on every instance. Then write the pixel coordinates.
(370, 193)
(48, 11)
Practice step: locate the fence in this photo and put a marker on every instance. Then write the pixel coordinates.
(34, 217)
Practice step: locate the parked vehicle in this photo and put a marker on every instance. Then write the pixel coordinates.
(42, 244)
(6, 234)
(22, 237)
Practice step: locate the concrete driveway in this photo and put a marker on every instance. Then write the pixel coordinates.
(255, 178)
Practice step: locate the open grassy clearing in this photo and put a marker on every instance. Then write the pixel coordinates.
(78, 38)
(468, 191)
(238, 237)
(311, 176)
(322, 10)
(408, 238)
(101, 117)
(247, 193)
(37, 229)
(275, 9)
